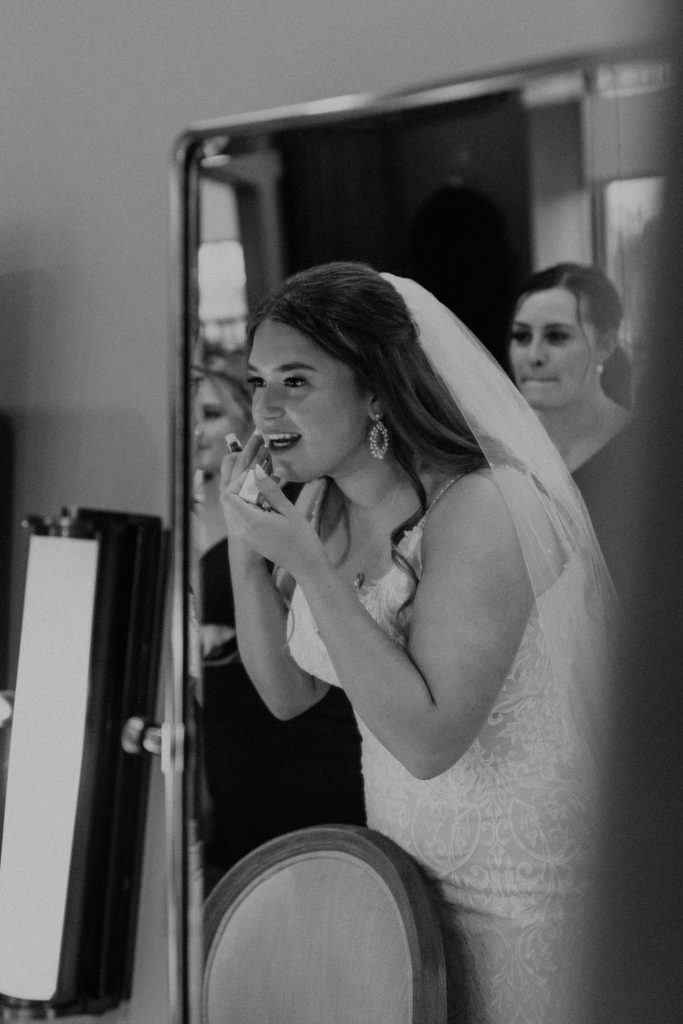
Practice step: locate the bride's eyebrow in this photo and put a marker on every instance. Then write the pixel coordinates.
(284, 368)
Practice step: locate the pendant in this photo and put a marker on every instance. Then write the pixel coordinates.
(359, 580)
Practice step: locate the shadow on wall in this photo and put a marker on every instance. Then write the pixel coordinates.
(33, 305)
(17, 300)
(102, 458)
(6, 518)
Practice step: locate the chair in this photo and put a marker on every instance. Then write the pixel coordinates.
(333, 924)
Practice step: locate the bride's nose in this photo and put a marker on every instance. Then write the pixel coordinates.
(268, 401)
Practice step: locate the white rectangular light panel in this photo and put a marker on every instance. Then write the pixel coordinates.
(44, 769)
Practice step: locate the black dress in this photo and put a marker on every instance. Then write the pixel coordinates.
(607, 481)
(264, 776)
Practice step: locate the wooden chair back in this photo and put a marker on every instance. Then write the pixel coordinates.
(328, 925)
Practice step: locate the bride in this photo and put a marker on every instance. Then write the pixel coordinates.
(440, 567)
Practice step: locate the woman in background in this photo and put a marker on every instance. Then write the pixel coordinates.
(567, 362)
(263, 777)
(439, 566)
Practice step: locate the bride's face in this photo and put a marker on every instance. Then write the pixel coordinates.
(308, 406)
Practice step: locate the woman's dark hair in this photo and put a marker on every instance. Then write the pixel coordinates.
(359, 318)
(604, 309)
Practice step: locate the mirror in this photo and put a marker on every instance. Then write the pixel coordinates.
(466, 187)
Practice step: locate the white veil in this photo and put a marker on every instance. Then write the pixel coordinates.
(575, 602)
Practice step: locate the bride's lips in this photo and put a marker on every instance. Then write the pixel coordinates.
(281, 442)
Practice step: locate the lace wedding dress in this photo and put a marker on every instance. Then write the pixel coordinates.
(507, 828)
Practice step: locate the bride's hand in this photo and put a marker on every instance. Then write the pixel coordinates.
(281, 534)
(236, 465)
(234, 469)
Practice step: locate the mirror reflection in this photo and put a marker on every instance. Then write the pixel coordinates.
(263, 777)
(469, 196)
(470, 191)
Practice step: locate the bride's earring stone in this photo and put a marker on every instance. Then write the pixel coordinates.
(378, 439)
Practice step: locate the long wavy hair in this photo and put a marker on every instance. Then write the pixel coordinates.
(359, 318)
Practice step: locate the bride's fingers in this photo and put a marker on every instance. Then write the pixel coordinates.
(235, 465)
(229, 472)
(271, 493)
(253, 445)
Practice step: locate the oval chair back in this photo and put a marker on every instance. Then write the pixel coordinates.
(333, 924)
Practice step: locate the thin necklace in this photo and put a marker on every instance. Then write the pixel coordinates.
(359, 578)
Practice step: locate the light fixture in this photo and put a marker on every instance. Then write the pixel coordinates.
(75, 802)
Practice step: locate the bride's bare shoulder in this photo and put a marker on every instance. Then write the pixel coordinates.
(468, 510)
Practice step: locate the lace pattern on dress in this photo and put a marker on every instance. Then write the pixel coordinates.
(505, 829)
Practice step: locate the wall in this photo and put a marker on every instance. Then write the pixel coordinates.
(562, 213)
(92, 94)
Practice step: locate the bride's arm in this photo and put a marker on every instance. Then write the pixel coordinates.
(472, 604)
(261, 624)
(260, 609)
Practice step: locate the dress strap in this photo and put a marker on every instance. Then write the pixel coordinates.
(442, 490)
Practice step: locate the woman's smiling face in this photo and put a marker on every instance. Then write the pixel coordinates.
(554, 354)
(311, 411)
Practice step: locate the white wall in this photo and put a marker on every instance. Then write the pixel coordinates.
(92, 95)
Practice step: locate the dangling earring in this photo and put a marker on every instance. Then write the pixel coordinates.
(379, 439)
